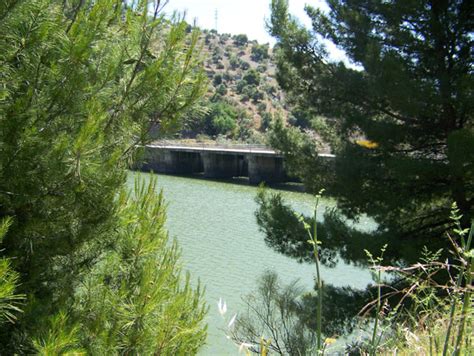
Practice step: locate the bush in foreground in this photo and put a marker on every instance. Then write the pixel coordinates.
(82, 84)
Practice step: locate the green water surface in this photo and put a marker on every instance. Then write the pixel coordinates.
(221, 244)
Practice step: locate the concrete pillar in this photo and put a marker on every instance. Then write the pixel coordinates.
(162, 160)
(220, 165)
(265, 168)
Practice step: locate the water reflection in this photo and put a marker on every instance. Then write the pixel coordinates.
(215, 225)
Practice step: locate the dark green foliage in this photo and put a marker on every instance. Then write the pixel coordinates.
(223, 38)
(340, 310)
(240, 40)
(410, 99)
(302, 156)
(221, 119)
(259, 52)
(217, 79)
(58, 338)
(240, 86)
(216, 55)
(300, 118)
(261, 107)
(9, 300)
(82, 84)
(244, 65)
(248, 86)
(234, 62)
(221, 90)
(244, 98)
(257, 96)
(399, 121)
(267, 119)
(227, 76)
(147, 300)
(216, 58)
(245, 125)
(285, 233)
(251, 91)
(252, 77)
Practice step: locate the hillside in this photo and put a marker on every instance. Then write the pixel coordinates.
(243, 93)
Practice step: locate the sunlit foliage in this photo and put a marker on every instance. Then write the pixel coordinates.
(82, 84)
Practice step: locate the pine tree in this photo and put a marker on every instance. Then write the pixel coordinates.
(9, 300)
(82, 84)
(400, 118)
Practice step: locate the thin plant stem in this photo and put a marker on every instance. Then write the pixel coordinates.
(374, 333)
(314, 241)
(451, 318)
(318, 276)
(378, 278)
(454, 301)
(467, 295)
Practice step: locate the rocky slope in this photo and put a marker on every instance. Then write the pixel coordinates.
(243, 94)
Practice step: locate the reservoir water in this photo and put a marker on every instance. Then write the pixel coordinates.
(221, 245)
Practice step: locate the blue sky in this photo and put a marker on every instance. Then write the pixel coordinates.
(243, 16)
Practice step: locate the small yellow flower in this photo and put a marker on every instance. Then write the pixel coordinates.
(329, 341)
(367, 144)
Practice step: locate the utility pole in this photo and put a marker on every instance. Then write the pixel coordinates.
(215, 20)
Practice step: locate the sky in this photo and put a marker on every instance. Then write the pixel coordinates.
(236, 16)
(244, 16)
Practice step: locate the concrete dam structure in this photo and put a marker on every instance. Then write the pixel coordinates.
(258, 163)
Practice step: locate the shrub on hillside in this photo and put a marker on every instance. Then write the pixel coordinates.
(269, 89)
(262, 68)
(261, 107)
(234, 62)
(217, 79)
(227, 76)
(221, 119)
(259, 52)
(240, 40)
(244, 65)
(216, 58)
(266, 120)
(252, 77)
(245, 124)
(257, 96)
(221, 90)
(240, 86)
